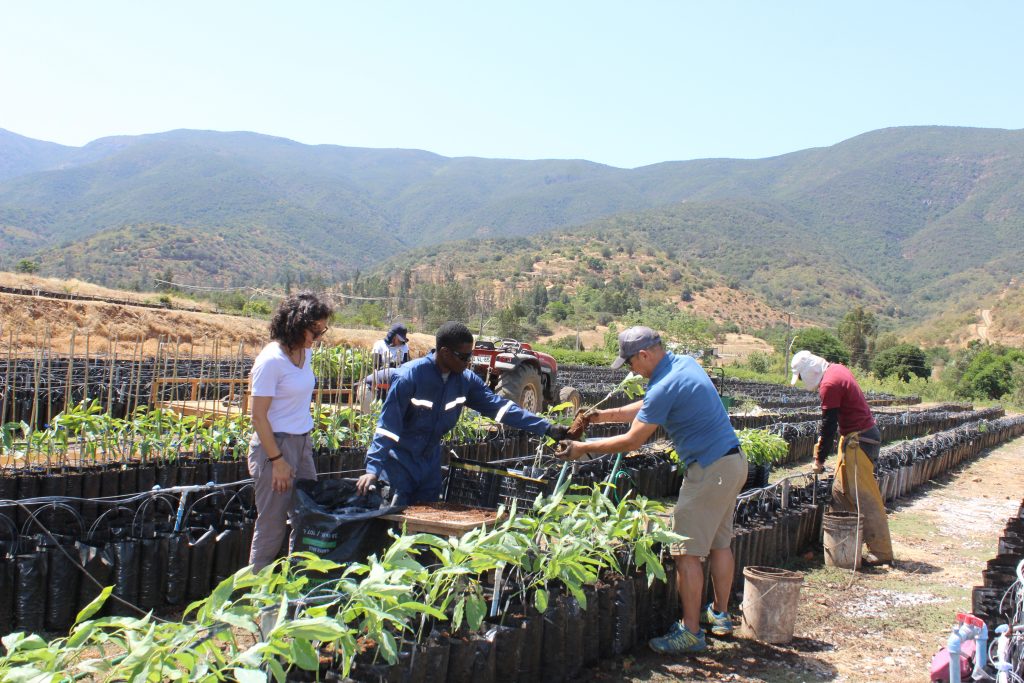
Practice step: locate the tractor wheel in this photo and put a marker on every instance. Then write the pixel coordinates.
(522, 386)
(570, 395)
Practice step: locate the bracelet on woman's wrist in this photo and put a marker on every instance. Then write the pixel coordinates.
(276, 457)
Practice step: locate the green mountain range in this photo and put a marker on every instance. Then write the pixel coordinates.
(911, 222)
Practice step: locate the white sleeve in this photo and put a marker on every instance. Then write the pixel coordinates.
(264, 377)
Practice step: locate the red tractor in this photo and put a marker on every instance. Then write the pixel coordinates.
(514, 370)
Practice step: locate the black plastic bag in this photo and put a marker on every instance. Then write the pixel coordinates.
(30, 591)
(179, 552)
(428, 661)
(606, 618)
(553, 658)
(200, 566)
(152, 571)
(8, 551)
(624, 633)
(471, 659)
(98, 562)
(126, 575)
(8, 574)
(591, 627)
(533, 638)
(332, 521)
(225, 555)
(62, 580)
(573, 636)
(110, 483)
(508, 650)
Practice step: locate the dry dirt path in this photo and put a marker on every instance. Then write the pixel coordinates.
(887, 626)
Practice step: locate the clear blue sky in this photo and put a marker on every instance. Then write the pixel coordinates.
(622, 83)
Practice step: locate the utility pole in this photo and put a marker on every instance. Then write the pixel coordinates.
(789, 344)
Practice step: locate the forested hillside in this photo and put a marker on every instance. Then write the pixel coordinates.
(910, 222)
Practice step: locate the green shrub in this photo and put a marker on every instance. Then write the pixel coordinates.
(822, 343)
(760, 362)
(903, 361)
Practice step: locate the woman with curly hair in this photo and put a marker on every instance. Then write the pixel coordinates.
(282, 385)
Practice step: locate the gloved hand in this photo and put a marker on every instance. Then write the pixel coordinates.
(568, 450)
(819, 459)
(557, 432)
(579, 424)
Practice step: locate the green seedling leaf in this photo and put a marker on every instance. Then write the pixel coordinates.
(540, 600)
(249, 675)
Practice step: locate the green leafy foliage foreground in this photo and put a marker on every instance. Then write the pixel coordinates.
(301, 611)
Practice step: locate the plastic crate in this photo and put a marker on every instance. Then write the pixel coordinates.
(482, 485)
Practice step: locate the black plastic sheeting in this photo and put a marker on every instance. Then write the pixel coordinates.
(331, 520)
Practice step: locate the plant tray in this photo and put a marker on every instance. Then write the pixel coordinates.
(443, 519)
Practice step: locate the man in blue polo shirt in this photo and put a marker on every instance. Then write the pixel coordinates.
(681, 397)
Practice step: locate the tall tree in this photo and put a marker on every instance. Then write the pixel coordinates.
(857, 332)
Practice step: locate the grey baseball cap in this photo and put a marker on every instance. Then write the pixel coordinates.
(635, 339)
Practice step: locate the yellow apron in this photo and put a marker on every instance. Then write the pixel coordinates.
(855, 480)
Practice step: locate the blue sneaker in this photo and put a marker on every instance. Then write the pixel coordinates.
(678, 641)
(720, 623)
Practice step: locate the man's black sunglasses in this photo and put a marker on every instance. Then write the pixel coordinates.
(464, 356)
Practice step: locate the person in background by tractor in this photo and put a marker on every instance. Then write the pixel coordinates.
(393, 350)
(843, 406)
(282, 384)
(427, 396)
(387, 354)
(681, 397)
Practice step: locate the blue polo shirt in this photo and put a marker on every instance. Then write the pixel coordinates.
(681, 398)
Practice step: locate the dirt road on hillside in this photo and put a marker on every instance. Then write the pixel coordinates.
(890, 622)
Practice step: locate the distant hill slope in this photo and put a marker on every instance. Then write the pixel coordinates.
(910, 221)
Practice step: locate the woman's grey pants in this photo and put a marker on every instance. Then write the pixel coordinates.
(273, 508)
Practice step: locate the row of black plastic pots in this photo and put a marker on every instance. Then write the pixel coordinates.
(802, 436)
(904, 466)
(152, 557)
(989, 601)
(132, 477)
(125, 479)
(765, 419)
(525, 646)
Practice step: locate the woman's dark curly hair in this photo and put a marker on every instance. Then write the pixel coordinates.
(294, 316)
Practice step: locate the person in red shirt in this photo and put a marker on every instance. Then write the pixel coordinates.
(844, 407)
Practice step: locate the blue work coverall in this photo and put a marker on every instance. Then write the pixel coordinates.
(419, 410)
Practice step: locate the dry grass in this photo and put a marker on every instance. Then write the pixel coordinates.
(29, 323)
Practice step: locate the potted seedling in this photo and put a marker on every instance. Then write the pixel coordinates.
(763, 449)
(632, 386)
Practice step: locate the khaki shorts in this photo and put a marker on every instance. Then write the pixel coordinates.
(707, 501)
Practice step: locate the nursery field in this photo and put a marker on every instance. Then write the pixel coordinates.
(567, 584)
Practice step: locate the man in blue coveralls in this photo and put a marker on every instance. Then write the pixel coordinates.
(424, 402)
(681, 397)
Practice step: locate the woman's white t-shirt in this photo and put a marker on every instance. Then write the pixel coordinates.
(273, 374)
